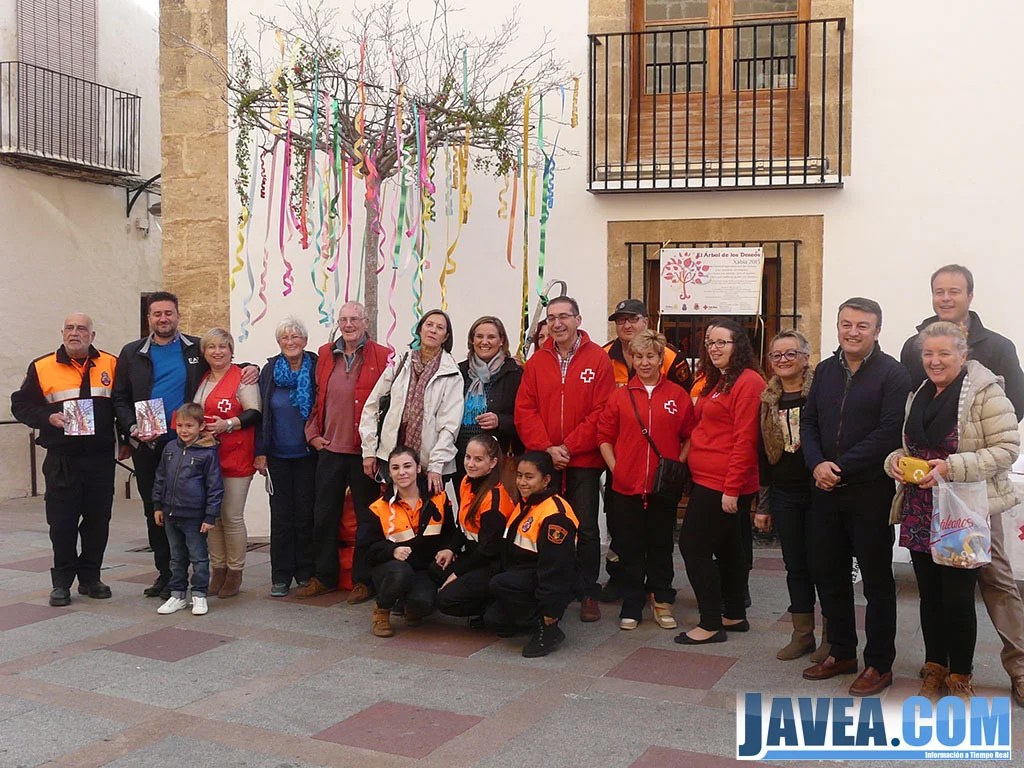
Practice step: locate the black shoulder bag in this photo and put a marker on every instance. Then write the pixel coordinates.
(671, 477)
(384, 404)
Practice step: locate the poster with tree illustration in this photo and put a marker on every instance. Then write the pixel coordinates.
(79, 417)
(711, 281)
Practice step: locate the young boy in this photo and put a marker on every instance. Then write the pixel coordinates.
(187, 495)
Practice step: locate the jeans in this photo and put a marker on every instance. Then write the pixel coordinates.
(709, 534)
(847, 522)
(291, 518)
(949, 622)
(336, 474)
(396, 580)
(145, 460)
(643, 540)
(79, 495)
(791, 515)
(581, 487)
(187, 545)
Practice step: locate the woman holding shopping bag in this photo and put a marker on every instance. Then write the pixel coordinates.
(961, 423)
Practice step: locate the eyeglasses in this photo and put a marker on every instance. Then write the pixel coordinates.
(293, 337)
(717, 343)
(562, 318)
(628, 320)
(789, 354)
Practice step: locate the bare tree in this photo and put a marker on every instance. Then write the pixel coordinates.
(383, 67)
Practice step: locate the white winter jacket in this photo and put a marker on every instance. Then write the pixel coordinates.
(442, 414)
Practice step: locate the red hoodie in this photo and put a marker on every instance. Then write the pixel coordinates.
(552, 412)
(669, 419)
(723, 447)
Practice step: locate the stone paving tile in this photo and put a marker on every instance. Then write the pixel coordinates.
(21, 614)
(40, 564)
(661, 757)
(182, 751)
(170, 644)
(144, 578)
(46, 732)
(12, 707)
(399, 729)
(342, 622)
(57, 632)
(679, 668)
(447, 639)
(320, 601)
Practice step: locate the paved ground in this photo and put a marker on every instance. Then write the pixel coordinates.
(272, 683)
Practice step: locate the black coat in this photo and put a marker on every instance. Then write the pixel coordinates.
(992, 350)
(501, 400)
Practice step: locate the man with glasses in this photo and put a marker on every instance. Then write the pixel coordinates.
(346, 372)
(564, 388)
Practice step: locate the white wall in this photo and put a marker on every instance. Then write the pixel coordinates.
(67, 244)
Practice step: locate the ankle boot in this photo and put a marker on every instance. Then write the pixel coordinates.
(934, 682)
(382, 622)
(961, 686)
(825, 647)
(232, 581)
(802, 641)
(216, 581)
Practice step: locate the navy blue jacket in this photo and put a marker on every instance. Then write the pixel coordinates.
(857, 421)
(188, 481)
(264, 434)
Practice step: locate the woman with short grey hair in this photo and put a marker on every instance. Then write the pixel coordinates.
(288, 391)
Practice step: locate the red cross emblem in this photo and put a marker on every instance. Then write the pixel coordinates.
(224, 405)
(1022, 533)
(587, 375)
(670, 406)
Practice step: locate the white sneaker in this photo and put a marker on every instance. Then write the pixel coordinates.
(628, 623)
(199, 607)
(172, 605)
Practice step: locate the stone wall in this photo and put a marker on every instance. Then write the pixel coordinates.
(195, 160)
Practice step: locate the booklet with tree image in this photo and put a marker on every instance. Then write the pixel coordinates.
(150, 418)
(79, 417)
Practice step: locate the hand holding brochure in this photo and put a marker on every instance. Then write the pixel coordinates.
(79, 417)
(150, 418)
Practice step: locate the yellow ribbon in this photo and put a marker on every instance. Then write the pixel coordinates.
(465, 200)
(575, 119)
(273, 116)
(239, 263)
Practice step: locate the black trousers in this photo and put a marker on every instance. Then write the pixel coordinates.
(79, 496)
(291, 518)
(396, 580)
(145, 460)
(468, 595)
(581, 487)
(643, 537)
(791, 516)
(847, 522)
(949, 622)
(337, 474)
(515, 599)
(709, 535)
(611, 563)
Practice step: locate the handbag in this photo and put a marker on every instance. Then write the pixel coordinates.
(960, 533)
(671, 476)
(384, 404)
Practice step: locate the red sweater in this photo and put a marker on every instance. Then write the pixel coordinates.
(723, 447)
(667, 415)
(552, 412)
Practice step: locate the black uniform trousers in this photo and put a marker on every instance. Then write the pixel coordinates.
(515, 599)
(643, 541)
(291, 518)
(397, 580)
(336, 475)
(468, 595)
(79, 497)
(846, 522)
(581, 487)
(146, 459)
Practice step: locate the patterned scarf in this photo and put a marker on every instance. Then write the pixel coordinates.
(300, 383)
(480, 377)
(411, 430)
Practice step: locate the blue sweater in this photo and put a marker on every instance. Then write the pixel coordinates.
(856, 421)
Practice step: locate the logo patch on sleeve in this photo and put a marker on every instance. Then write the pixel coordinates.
(556, 534)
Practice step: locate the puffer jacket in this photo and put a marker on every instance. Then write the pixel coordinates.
(442, 414)
(188, 480)
(988, 439)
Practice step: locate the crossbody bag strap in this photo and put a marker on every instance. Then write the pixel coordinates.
(643, 429)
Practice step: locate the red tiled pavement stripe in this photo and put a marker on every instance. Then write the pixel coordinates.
(399, 729)
(32, 564)
(680, 668)
(446, 639)
(170, 644)
(20, 614)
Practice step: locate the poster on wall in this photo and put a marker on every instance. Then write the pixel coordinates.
(711, 281)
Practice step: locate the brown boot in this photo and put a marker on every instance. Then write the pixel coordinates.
(803, 638)
(960, 686)
(382, 622)
(825, 648)
(232, 581)
(360, 594)
(411, 619)
(216, 581)
(934, 682)
(313, 589)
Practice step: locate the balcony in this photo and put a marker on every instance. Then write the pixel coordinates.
(68, 126)
(757, 105)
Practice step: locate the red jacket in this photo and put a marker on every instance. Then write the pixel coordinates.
(552, 412)
(669, 419)
(723, 447)
(375, 360)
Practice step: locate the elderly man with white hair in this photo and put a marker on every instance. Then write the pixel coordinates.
(347, 370)
(66, 396)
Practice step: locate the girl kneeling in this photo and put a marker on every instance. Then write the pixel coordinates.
(541, 576)
(409, 527)
(484, 510)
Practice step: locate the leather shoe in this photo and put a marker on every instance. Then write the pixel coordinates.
(313, 589)
(1017, 689)
(870, 682)
(158, 587)
(743, 626)
(97, 590)
(590, 610)
(684, 639)
(360, 594)
(60, 596)
(830, 668)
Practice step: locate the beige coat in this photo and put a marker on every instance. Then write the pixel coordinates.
(988, 439)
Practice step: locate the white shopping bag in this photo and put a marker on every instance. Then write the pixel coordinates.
(960, 535)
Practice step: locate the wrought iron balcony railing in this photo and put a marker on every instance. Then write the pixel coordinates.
(749, 105)
(68, 121)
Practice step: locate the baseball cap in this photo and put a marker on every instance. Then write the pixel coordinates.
(629, 307)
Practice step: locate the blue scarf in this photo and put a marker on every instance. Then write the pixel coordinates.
(300, 383)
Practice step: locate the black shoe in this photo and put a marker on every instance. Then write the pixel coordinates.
(158, 588)
(684, 639)
(97, 590)
(60, 596)
(165, 593)
(547, 639)
(743, 626)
